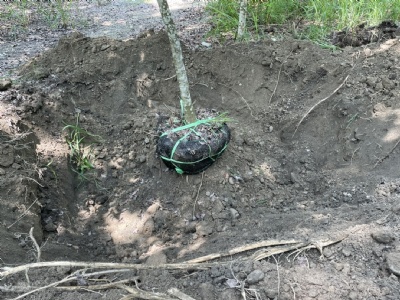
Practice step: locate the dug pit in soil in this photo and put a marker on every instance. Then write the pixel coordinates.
(336, 177)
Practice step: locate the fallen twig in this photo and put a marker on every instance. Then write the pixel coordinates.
(279, 277)
(71, 277)
(318, 103)
(197, 264)
(387, 155)
(279, 75)
(14, 289)
(24, 213)
(297, 248)
(240, 284)
(39, 252)
(264, 253)
(173, 76)
(6, 271)
(197, 196)
(35, 181)
(243, 249)
(276, 85)
(18, 137)
(319, 245)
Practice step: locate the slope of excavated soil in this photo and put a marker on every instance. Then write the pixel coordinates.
(334, 176)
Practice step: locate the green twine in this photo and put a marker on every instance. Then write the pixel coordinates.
(194, 124)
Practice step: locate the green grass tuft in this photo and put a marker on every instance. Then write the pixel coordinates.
(80, 143)
(317, 17)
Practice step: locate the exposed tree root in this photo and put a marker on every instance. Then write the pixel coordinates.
(270, 248)
(318, 103)
(387, 155)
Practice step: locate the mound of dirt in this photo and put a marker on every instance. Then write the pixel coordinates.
(313, 157)
(363, 35)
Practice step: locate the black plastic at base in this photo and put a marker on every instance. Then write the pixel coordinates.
(193, 156)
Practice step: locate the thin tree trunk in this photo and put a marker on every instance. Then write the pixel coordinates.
(177, 56)
(242, 19)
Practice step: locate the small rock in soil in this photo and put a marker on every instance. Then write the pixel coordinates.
(141, 158)
(393, 262)
(104, 47)
(7, 156)
(271, 293)
(232, 283)
(382, 237)
(371, 81)
(248, 176)
(5, 84)
(293, 177)
(328, 252)
(205, 44)
(16, 166)
(346, 252)
(255, 277)
(234, 213)
(338, 266)
(388, 84)
(2, 172)
(204, 229)
(219, 280)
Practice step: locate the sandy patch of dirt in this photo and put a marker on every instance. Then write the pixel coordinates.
(336, 177)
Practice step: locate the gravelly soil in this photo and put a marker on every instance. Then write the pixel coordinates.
(121, 19)
(333, 177)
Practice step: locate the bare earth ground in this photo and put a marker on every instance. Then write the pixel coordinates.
(333, 177)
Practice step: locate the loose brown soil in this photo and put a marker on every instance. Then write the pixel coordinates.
(335, 177)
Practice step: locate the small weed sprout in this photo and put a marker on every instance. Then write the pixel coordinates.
(50, 167)
(80, 143)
